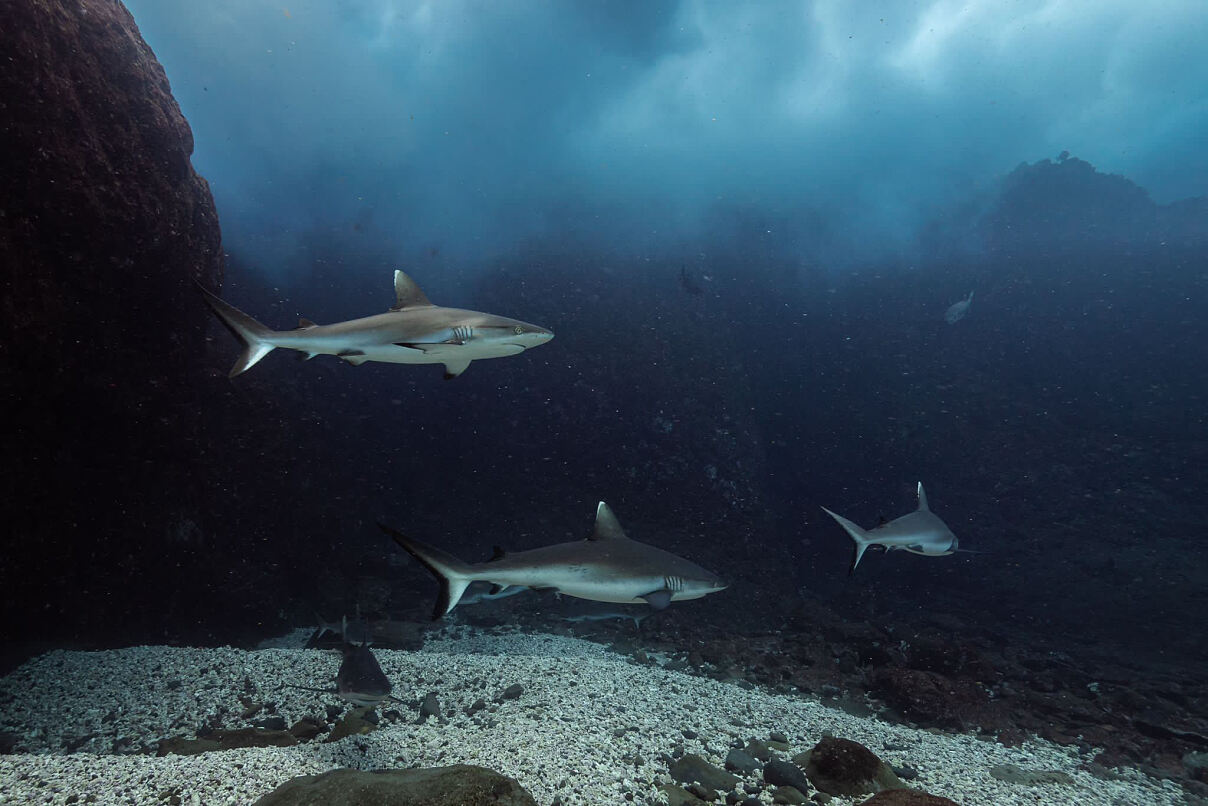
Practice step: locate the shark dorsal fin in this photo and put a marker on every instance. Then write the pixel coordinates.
(497, 553)
(923, 499)
(406, 293)
(607, 526)
(304, 323)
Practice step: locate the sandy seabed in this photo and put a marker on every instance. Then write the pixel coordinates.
(590, 726)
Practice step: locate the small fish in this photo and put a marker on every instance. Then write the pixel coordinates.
(414, 331)
(609, 615)
(957, 310)
(920, 532)
(606, 567)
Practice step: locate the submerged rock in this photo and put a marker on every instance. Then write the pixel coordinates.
(843, 767)
(225, 740)
(105, 226)
(907, 797)
(694, 769)
(459, 785)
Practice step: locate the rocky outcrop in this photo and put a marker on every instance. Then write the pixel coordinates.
(104, 225)
(459, 785)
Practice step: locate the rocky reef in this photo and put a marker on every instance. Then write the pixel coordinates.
(104, 226)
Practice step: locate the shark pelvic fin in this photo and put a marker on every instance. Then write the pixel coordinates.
(255, 336)
(607, 526)
(453, 575)
(923, 499)
(406, 293)
(860, 536)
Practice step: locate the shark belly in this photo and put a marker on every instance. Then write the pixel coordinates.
(352, 349)
(582, 582)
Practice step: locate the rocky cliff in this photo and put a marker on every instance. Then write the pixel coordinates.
(104, 225)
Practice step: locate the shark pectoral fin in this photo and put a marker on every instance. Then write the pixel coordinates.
(455, 368)
(658, 600)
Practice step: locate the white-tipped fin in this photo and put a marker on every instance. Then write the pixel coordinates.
(923, 499)
(859, 535)
(256, 337)
(406, 293)
(607, 526)
(453, 575)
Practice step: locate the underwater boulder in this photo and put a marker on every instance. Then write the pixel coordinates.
(105, 227)
(458, 785)
(907, 797)
(843, 767)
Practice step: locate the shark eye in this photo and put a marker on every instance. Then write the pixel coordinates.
(517, 330)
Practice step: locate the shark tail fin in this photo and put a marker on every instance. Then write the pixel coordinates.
(859, 535)
(453, 575)
(256, 338)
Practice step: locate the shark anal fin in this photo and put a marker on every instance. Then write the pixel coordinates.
(658, 600)
(354, 357)
(406, 293)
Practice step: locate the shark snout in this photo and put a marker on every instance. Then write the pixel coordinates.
(529, 336)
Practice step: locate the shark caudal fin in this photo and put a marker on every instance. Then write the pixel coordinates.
(255, 336)
(857, 534)
(453, 575)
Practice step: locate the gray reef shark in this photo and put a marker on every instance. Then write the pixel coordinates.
(414, 331)
(957, 310)
(920, 532)
(606, 567)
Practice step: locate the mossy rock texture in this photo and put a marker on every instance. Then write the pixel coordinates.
(459, 785)
(843, 767)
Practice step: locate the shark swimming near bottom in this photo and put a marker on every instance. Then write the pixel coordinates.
(608, 566)
(919, 532)
(360, 679)
(414, 331)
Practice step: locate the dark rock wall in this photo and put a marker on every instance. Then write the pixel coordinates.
(104, 225)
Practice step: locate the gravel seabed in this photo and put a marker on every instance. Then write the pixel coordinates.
(589, 728)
